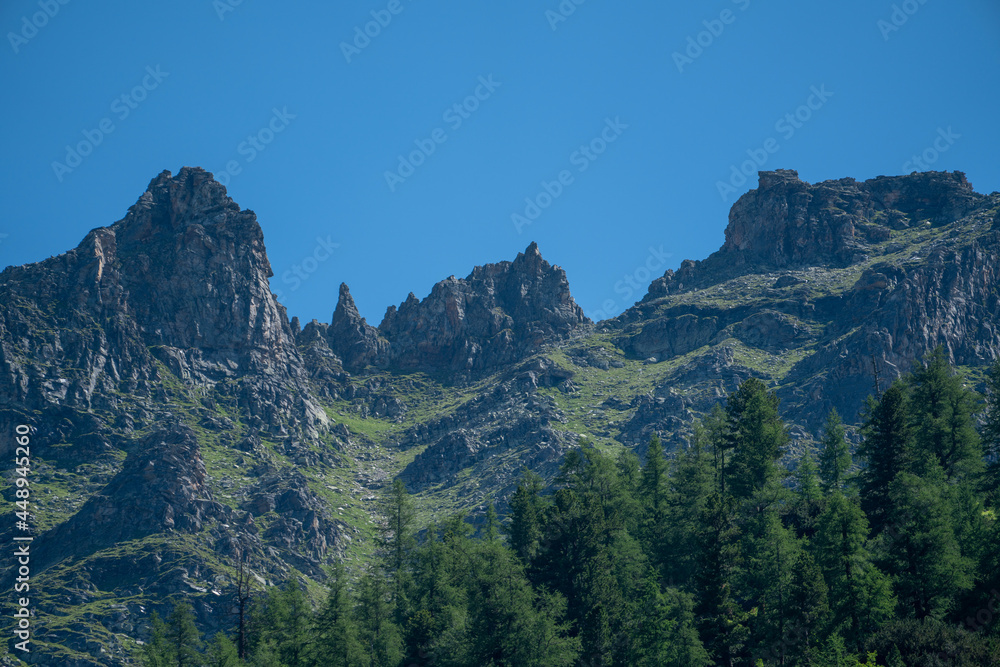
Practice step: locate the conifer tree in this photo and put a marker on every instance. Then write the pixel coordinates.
(653, 495)
(810, 611)
(860, 595)
(991, 435)
(222, 652)
(922, 550)
(886, 450)
(756, 436)
(808, 499)
(943, 418)
(721, 621)
(182, 637)
(336, 634)
(527, 514)
(835, 455)
(156, 652)
(380, 638)
(692, 481)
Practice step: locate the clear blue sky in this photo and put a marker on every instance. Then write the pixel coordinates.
(200, 77)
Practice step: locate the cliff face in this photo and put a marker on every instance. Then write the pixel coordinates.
(786, 223)
(846, 279)
(181, 422)
(495, 316)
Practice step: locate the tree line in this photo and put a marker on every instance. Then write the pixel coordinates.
(718, 555)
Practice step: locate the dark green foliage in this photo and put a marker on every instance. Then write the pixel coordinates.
(835, 455)
(920, 548)
(991, 435)
(756, 435)
(335, 633)
(943, 417)
(860, 596)
(176, 642)
(886, 450)
(222, 653)
(527, 511)
(932, 642)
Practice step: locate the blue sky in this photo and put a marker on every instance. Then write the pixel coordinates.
(618, 121)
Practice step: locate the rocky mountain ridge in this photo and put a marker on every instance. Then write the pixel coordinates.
(182, 421)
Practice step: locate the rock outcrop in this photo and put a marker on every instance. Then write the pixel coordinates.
(495, 316)
(786, 223)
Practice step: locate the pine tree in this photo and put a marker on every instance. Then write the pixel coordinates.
(491, 530)
(181, 639)
(860, 596)
(507, 625)
(435, 613)
(721, 621)
(157, 651)
(887, 451)
(835, 455)
(943, 418)
(665, 633)
(921, 549)
(527, 513)
(398, 540)
(653, 496)
(222, 652)
(378, 635)
(991, 435)
(692, 480)
(756, 435)
(808, 499)
(295, 626)
(336, 634)
(809, 611)
(764, 581)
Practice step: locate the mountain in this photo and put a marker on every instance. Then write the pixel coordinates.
(181, 421)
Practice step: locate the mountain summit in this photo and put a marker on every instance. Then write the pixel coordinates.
(181, 423)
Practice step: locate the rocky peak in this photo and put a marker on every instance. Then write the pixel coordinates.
(787, 223)
(497, 313)
(352, 339)
(197, 271)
